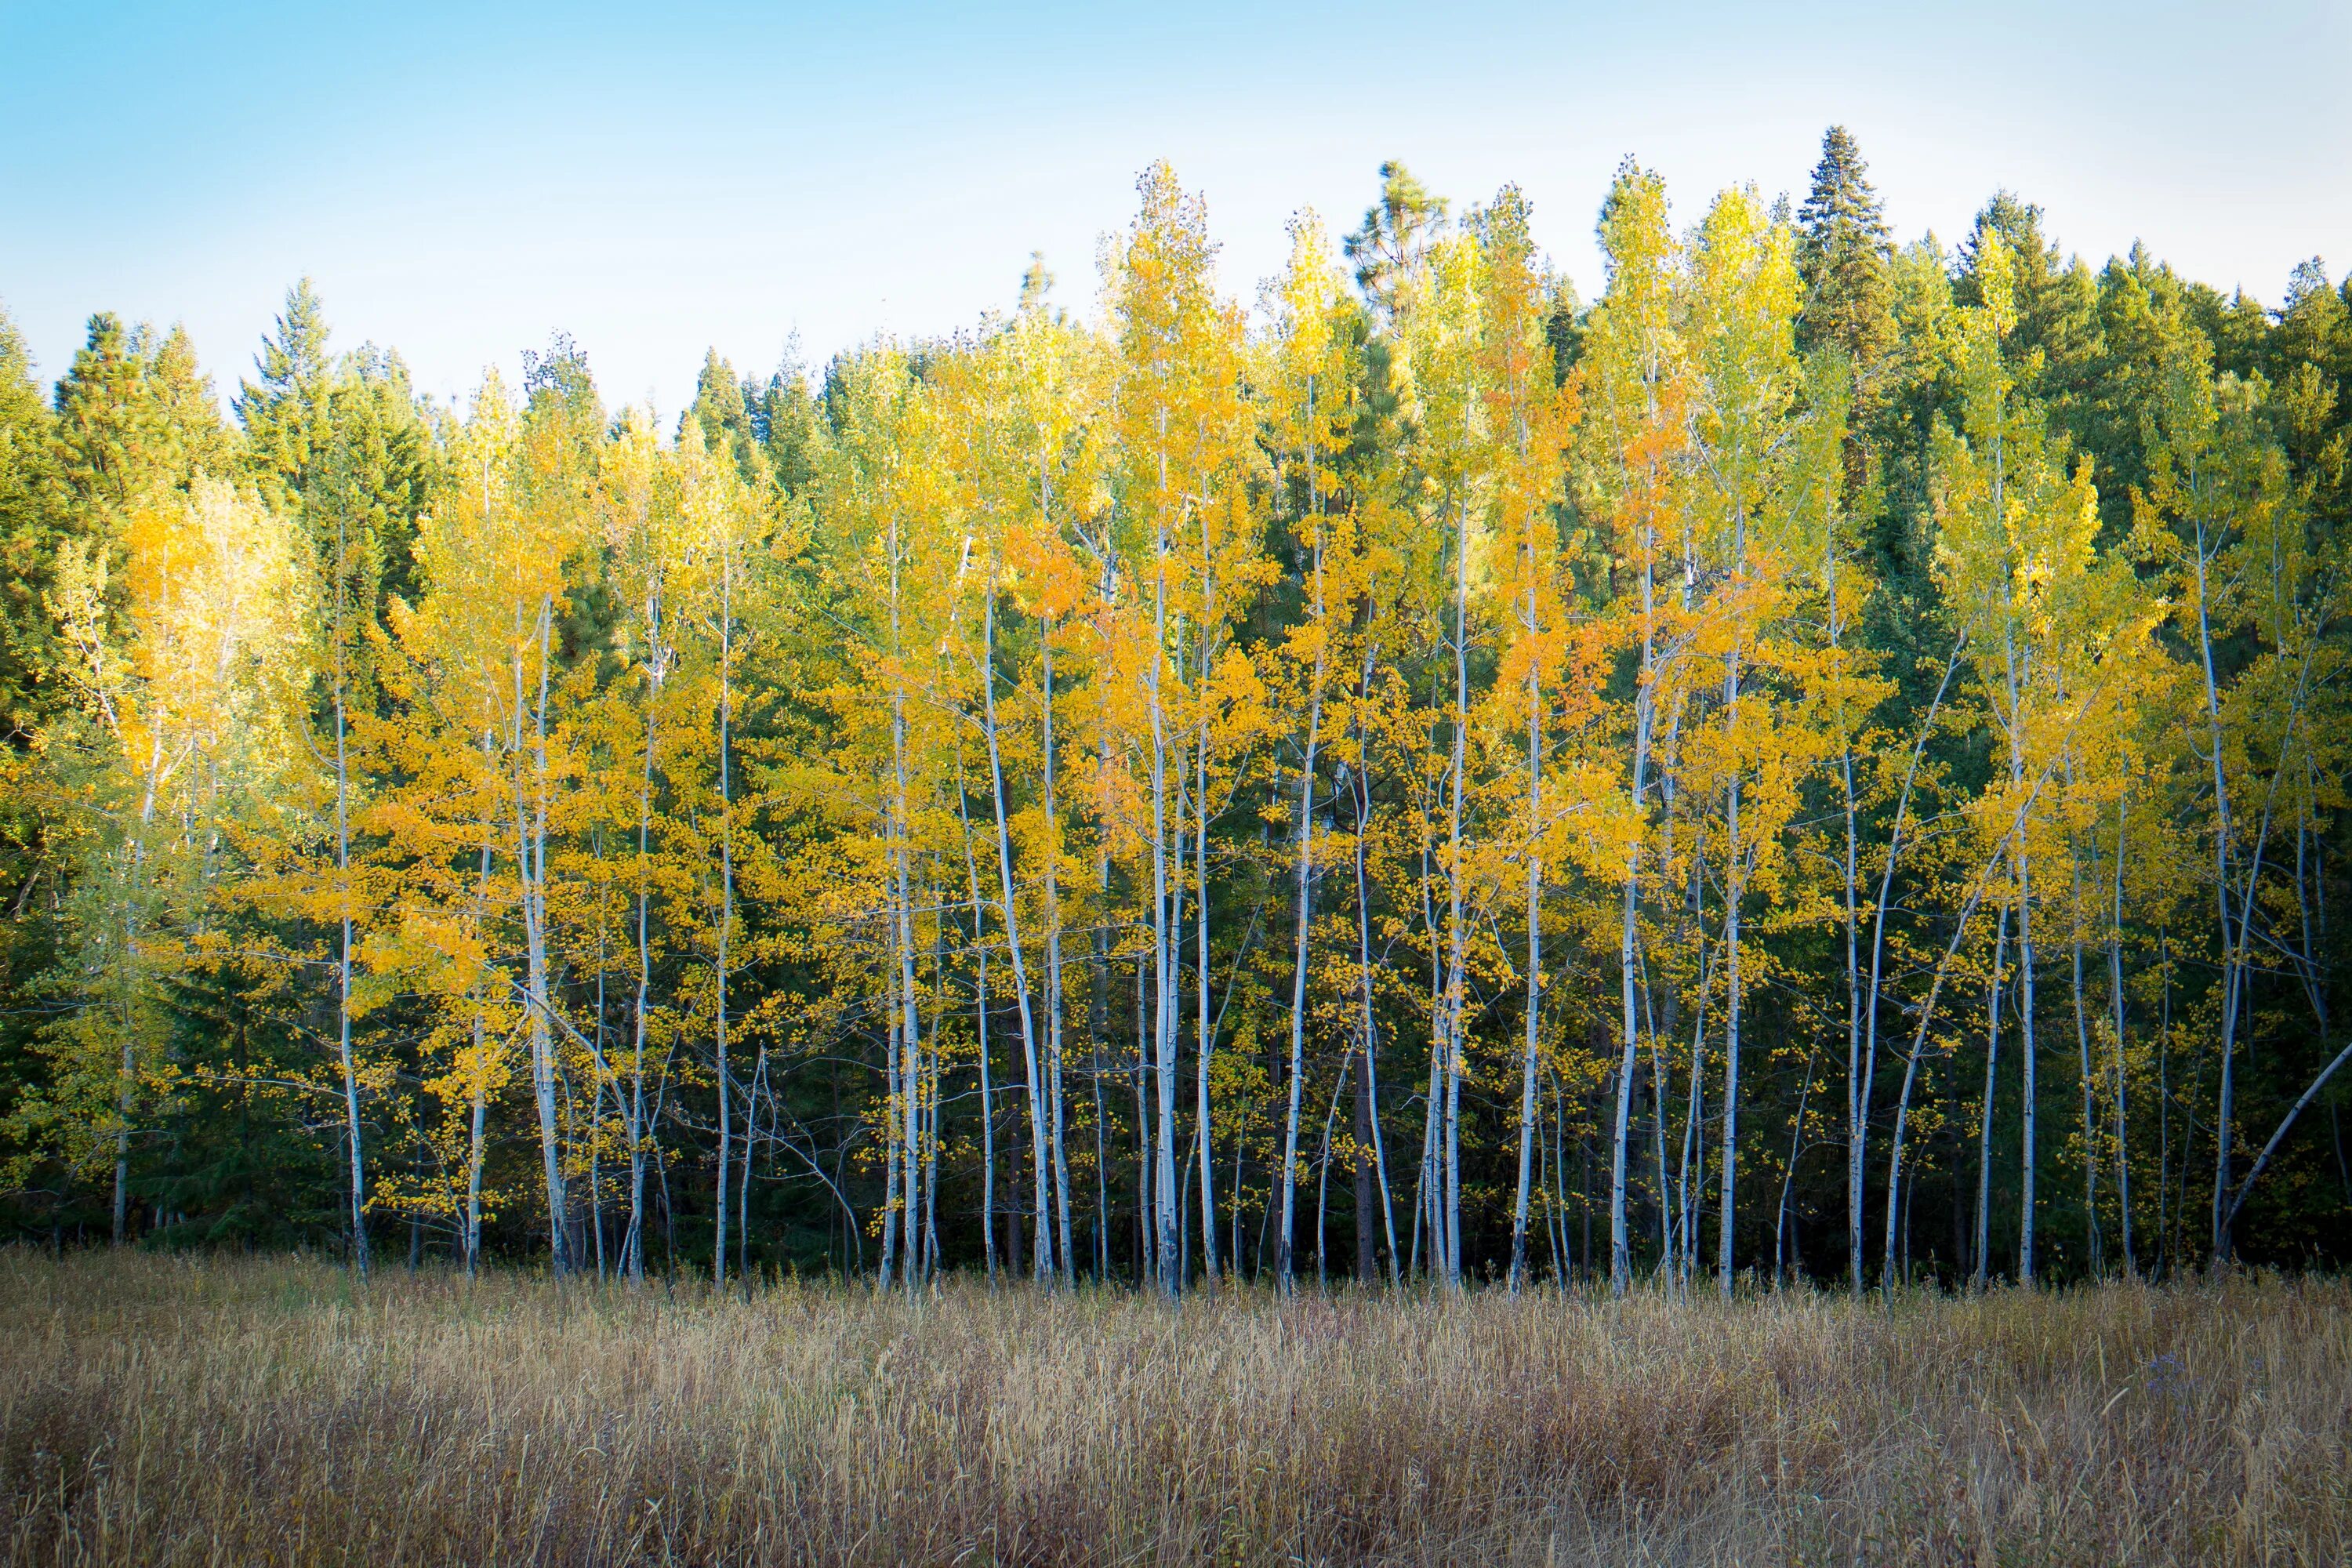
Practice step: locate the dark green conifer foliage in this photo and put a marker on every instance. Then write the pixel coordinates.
(1842, 252)
(33, 517)
(1395, 236)
(344, 439)
(791, 424)
(283, 414)
(134, 413)
(724, 413)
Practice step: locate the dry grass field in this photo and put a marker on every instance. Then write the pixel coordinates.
(240, 1412)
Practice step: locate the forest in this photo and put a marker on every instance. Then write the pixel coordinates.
(1822, 763)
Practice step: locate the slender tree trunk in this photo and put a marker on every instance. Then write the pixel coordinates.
(2097, 1261)
(2021, 859)
(980, 1024)
(1371, 1093)
(893, 1016)
(633, 1258)
(1535, 945)
(727, 884)
(1858, 1126)
(1896, 1210)
(343, 964)
(476, 1146)
(2115, 994)
(1038, 1149)
(1281, 1247)
(1054, 970)
(1621, 1256)
(908, 1045)
(1164, 980)
(532, 854)
(1456, 977)
(1735, 878)
(2226, 1111)
(1204, 1021)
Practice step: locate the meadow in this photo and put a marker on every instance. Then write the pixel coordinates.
(218, 1411)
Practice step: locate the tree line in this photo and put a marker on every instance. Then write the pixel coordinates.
(1824, 759)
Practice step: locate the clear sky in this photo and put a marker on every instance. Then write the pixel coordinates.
(463, 180)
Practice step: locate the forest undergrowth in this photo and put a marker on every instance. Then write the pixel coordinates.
(209, 1410)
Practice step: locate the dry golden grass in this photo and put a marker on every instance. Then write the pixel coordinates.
(223, 1411)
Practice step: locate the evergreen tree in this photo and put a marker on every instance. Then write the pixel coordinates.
(1843, 254)
(33, 520)
(723, 411)
(1394, 243)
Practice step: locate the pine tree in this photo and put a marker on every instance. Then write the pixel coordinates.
(1844, 256)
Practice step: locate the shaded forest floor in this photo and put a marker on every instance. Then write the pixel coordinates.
(236, 1411)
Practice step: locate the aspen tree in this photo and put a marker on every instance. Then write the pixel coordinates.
(183, 684)
(1308, 415)
(1529, 421)
(1633, 393)
(2214, 488)
(1744, 297)
(1181, 431)
(2015, 549)
(1441, 324)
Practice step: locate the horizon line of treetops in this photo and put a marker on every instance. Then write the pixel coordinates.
(1825, 760)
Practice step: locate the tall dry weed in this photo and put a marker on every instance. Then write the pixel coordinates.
(236, 1411)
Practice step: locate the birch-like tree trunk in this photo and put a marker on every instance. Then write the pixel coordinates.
(1282, 1245)
(530, 834)
(1009, 913)
(1621, 1262)
(1858, 1128)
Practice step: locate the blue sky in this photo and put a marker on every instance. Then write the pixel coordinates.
(463, 180)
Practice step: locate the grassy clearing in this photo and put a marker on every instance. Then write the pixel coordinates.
(221, 1411)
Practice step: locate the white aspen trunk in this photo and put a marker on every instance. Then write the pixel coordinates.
(726, 884)
(910, 1043)
(1984, 1131)
(908, 1019)
(2227, 1109)
(1364, 964)
(1323, 1177)
(1887, 1259)
(134, 883)
(1857, 1072)
(1733, 891)
(1164, 980)
(2115, 992)
(1204, 1021)
(2315, 989)
(1788, 1174)
(476, 1146)
(932, 1110)
(1038, 1152)
(1456, 981)
(1535, 945)
(343, 897)
(1692, 1176)
(1621, 1259)
(1146, 1208)
(1054, 1001)
(633, 1258)
(2021, 859)
(532, 854)
(895, 1016)
(1424, 1189)
(2097, 1262)
(1282, 1243)
(1859, 1130)
(980, 1018)
(1735, 879)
